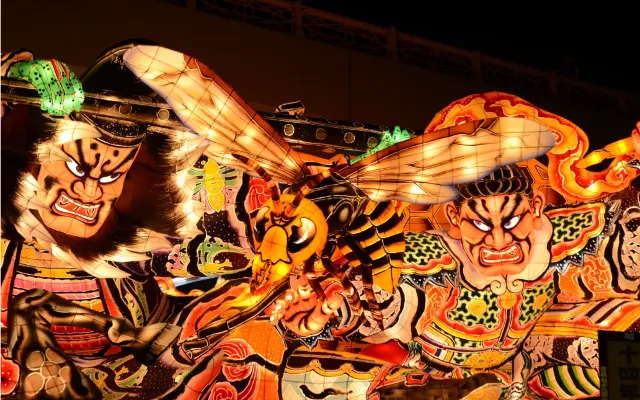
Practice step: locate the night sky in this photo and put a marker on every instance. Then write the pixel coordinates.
(528, 33)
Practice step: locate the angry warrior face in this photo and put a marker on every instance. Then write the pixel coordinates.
(499, 234)
(80, 193)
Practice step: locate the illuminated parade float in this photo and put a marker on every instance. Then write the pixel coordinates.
(163, 240)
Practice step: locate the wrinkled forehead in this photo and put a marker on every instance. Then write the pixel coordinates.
(92, 152)
(495, 206)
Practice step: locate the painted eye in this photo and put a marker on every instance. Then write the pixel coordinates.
(301, 235)
(75, 168)
(512, 222)
(109, 178)
(307, 226)
(481, 225)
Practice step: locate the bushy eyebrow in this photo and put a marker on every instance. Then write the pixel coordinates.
(518, 200)
(86, 167)
(129, 156)
(473, 205)
(505, 201)
(83, 163)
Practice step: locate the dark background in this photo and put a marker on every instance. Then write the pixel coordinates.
(593, 42)
(571, 39)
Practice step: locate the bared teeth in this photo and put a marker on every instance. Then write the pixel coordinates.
(507, 255)
(67, 205)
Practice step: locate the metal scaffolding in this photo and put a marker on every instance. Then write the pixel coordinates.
(294, 18)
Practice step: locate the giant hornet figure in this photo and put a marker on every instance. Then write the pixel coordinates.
(347, 206)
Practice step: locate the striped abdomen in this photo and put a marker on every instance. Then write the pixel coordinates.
(375, 245)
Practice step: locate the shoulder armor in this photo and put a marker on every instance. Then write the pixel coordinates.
(577, 230)
(427, 258)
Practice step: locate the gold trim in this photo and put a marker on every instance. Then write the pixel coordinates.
(626, 321)
(487, 359)
(347, 369)
(567, 317)
(439, 335)
(94, 304)
(475, 338)
(615, 149)
(588, 236)
(513, 334)
(435, 270)
(572, 330)
(45, 272)
(3, 247)
(552, 315)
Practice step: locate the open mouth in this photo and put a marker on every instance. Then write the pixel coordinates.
(512, 254)
(69, 207)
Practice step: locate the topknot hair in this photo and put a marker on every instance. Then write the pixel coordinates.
(506, 180)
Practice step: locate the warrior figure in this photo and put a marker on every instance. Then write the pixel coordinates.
(86, 197)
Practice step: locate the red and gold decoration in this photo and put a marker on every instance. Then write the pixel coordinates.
(162, 239)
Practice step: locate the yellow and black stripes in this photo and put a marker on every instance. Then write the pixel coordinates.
(375, 245)
(379, 232)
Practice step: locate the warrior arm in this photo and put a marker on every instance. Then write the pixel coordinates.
(400, 313)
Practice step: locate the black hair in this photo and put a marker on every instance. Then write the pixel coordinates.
(503, 181)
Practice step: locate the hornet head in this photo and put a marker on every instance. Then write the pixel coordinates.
(287, 232)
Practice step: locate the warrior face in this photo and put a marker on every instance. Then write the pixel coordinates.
(80, 193)
(498, 233)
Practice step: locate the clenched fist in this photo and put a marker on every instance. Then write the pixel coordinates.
(300, 309)
(59, 87)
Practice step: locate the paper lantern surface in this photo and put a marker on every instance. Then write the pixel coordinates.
(165, 240)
